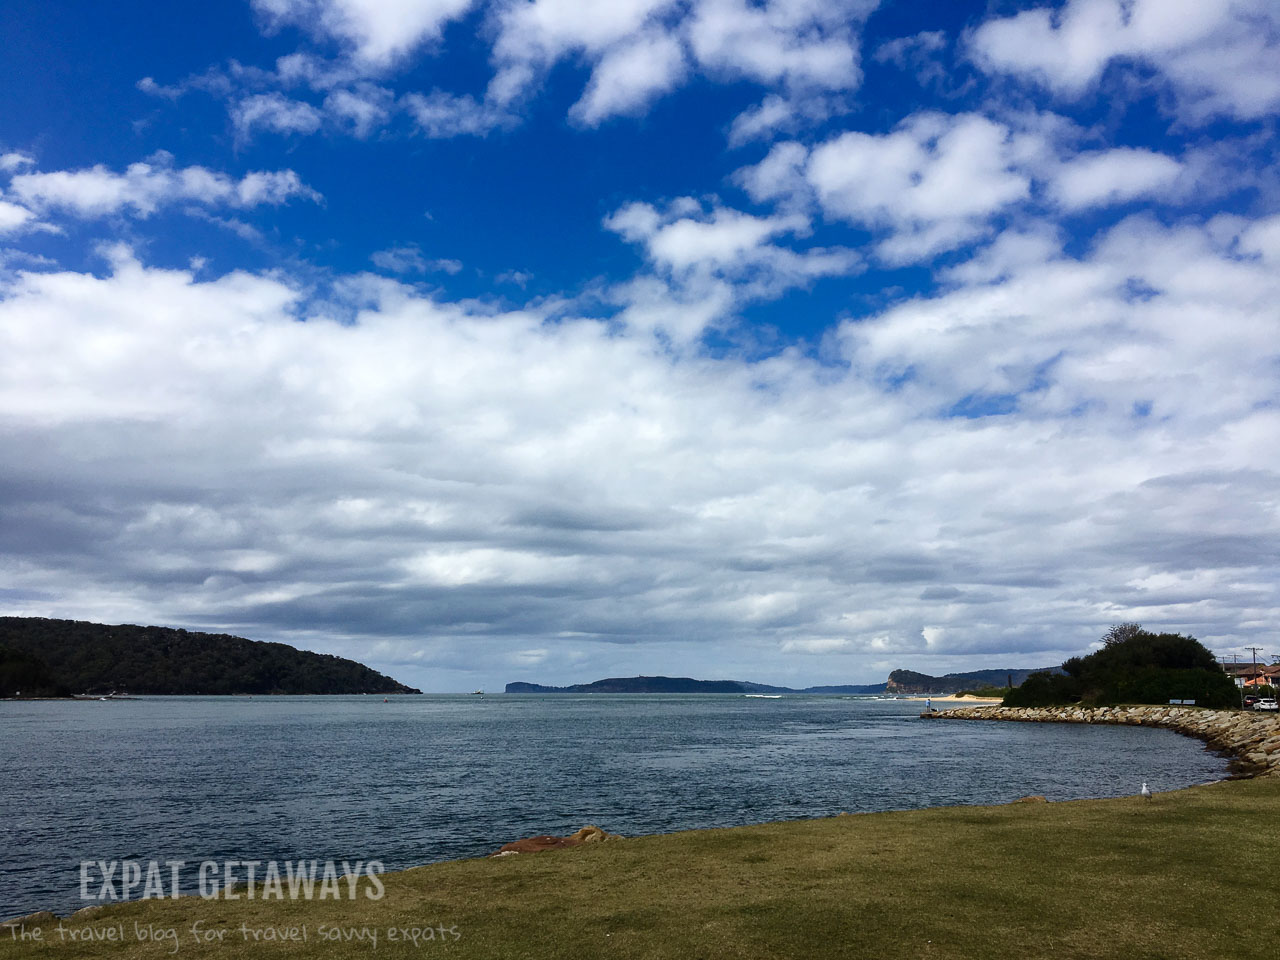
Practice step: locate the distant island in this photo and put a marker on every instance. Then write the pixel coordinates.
(50, 658)
(682, 685)
(899, 682)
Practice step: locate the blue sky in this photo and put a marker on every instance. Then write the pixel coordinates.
(788, 341)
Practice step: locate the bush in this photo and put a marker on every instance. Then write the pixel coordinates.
(1044, 690)
(1160, 685)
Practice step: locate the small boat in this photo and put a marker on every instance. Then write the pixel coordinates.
(763, 696)
(477, 693)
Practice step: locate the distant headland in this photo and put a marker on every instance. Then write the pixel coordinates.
(682, 685)
(900, 681)
(52, 658)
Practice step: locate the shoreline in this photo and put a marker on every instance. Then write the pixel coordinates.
(1250, 740)
(1200, 723)
(1030, 871)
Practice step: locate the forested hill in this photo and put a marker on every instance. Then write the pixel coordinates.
(98, 658)
(684, 685)
(908, 681)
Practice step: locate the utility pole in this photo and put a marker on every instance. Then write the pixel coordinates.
(1255, 651)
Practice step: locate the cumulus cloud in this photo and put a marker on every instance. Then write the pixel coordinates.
(1048, 430)
(933, 182)
(995, 471)
(762, 120)
(1114, 176)
(15, 160)
(14, 217)
(274, 112)
(636, 50)
(443, 115)
(779, 176)
(534, 35)
(378, 31)
(1186, 41)
(361, 109)
(641, 49)
(144, 187)
(630, 76)
(700, 252)
(940, 182)
(804, 45)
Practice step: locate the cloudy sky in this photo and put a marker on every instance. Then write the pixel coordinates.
(792, 341)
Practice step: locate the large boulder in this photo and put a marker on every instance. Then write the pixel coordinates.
(588, 834)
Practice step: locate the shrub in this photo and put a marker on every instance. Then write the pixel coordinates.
(1044, 690)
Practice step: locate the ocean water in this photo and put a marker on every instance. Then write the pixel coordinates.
(421, 779)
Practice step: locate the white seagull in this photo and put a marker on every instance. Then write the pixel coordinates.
(1144, 791)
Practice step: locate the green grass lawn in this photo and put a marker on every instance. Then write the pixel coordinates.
(1178, 876)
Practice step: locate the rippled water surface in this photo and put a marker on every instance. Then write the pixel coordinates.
(436, 777)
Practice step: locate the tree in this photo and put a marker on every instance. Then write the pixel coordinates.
(1120, 632)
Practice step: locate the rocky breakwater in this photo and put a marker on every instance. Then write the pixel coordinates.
(1251, 740)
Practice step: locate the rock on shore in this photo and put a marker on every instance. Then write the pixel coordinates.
(1252, 740)
(588, 834)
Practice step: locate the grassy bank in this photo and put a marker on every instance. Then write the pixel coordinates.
(1168, 878)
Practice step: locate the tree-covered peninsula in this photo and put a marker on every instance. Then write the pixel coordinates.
(1133, 666)
(41, 657)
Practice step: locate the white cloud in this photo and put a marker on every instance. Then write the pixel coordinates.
(1113, 176)
(805, 44)
(379, 31)
(541, 31)
(630, 76)
(191, 453)
(699, 253)
(15, 160)
(316, 72)
(723, 239)
(909, 51)
(823, 646)
(145, 187)
(274, 112)
(777, 114)
(1012, 252)
(14, 217)
(759, 122)
(933, 182)
(271, 187)
(708, 264)
(409, 259)
(641, 49)
(919, 54)
(442, 115)
(1187, 41)
(780, 175)
(637, 51)
(532, 36)
(363, 109)
(1263, 239)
